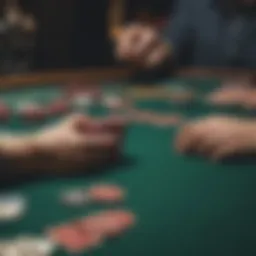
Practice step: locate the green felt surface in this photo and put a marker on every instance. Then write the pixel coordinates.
(186, 206)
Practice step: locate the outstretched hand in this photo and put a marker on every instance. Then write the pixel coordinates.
(80, 142)
(218, 137)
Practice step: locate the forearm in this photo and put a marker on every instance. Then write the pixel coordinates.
(20, 154)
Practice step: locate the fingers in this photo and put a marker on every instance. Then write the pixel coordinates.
(146, 44)
(157, 56)
(127, 41)
(222, 152)
(187, 139)
(77, 121)
(114, 125)
(142, 45)
(217, 137)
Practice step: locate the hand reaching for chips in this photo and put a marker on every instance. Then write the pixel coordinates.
(218, 137)
(80, 141)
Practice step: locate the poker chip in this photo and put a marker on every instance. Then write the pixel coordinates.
(180, 94)
(12, 207)
(31, 111)
(228, 96)
(28, 245)
(4, 112)
(117, 221)
(75, 198)
(109, 223)
(141, 116)
(74, 239)
(105, 193)
(85, 241)
(58, 107)
(81, 95)
(112, 101)
(166, 120)
(82, 100)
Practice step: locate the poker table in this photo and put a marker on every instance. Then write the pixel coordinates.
(185, 205)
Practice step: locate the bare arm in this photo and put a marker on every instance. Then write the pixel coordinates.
(19, 153)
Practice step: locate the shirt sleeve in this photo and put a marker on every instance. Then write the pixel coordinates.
(178, 33)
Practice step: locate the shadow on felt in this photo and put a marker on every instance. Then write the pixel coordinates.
(15, 178)
(239, 159)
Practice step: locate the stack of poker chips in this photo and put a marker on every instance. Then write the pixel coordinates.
(17, 32)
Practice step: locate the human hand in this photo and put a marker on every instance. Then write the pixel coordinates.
(80, 142)
(142, 45)
(217, 137)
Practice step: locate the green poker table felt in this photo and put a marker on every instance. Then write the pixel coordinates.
(184, 205)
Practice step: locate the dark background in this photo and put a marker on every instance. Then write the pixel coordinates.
(73, 33)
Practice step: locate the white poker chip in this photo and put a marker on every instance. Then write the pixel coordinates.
(35, 246)
(82, 100)
(23, 106)
(4, 245)
(12, 207)
(112, 101)
(11, 250)
(76, 197)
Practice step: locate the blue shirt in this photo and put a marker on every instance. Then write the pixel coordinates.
(203, 34)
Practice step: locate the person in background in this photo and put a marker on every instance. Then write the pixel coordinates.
(208, 33)
(211, 33)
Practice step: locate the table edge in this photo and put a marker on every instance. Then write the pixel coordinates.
(97, 75)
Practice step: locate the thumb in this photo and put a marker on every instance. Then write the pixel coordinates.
(78, 122)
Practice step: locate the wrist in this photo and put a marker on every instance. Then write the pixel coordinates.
(14, 146)
(19, 152)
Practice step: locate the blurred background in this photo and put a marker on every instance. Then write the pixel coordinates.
(52, 34)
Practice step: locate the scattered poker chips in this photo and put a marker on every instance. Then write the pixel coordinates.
(4, 112)
(92, 231)
(76, 197)
(31, 111)
(106, 193)
(109, 223)
(166, 120)
(180, 94)
(58, 107)
(155, 118)
(27, 245)
(73, 238)
(101, 193)
(12, 207)
(112, 101)
(226, 96)
(82, 100)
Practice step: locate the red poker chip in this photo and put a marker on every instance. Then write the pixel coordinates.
(69, 238)
(109, 223)
(90, 240)
(73, 238)
(166, 120)
(4, 112)
(106, 193)
(59, 107)
(117, 221)
(33, 112)
(55, 233)
(79, 90)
